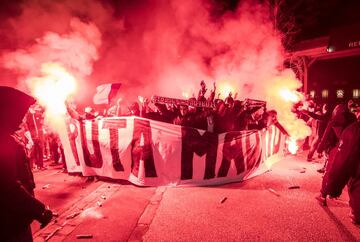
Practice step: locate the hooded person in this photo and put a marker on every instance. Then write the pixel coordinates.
(340, 119)
(346, 170)
(18, 207)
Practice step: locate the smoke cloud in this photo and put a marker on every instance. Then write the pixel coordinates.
(151, 47)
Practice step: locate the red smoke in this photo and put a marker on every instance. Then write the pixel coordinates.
(152, 47)
(160, 47)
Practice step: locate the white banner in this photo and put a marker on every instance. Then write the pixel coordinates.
(152, 153)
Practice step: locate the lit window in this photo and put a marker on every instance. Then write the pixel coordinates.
(312, 93)
(325, 93)
(340, 93)
(330, 48)
(356, 93)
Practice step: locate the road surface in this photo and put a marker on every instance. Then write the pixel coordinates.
(276, 206)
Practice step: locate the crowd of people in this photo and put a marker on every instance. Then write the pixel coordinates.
(41, 143)
(26, 143)
(335, 133)
(336, 137)
(217, 116)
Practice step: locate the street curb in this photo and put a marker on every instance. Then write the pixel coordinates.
(147, 216)
(66, 223)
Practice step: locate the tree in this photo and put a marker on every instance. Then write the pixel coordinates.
(284, 20)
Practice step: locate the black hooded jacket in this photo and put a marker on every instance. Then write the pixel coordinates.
(346, 164)
(18, 207)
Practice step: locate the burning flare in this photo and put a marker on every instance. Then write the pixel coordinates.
(185, 95)
(53, 87)
(292, 145)
(224, 89)
(282, 96)
(289, 96)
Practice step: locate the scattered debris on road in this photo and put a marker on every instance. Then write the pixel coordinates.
(73, 215)
(84, 236)
(294, 187)
(52, 234)
(274, 192)
(299, 169)
(223, 199)
(46, 186)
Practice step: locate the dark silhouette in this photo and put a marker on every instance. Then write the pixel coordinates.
(18, 207)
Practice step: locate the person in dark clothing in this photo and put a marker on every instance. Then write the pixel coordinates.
(346, 170)
(341, 118)
(250, 118)
(224, 118)
(54, 145)
(163, 113)
(134, 109)
(184, 117)
(322, 121)
(270, 118)
(212, 93)
(202, 91)
(18, 207)
(34, 124)
(229, 101)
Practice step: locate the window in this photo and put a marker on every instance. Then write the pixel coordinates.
(356, 93)
(340, 93)
(325, 93)
(312, 93)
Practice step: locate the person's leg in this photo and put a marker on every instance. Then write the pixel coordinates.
(354, 202)
(306, 145)
(322, 169)
(323, 191)
(41, 153)
(313, 148)
(36, 152)
(55, 156)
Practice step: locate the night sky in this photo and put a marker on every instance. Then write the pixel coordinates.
(315, 17)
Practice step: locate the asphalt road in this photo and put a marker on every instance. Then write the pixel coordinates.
(264, 208)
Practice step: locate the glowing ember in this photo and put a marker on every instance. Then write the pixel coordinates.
(224, 89)
(53, 87)
(292, 145)
(289, 96)
(185, 94)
